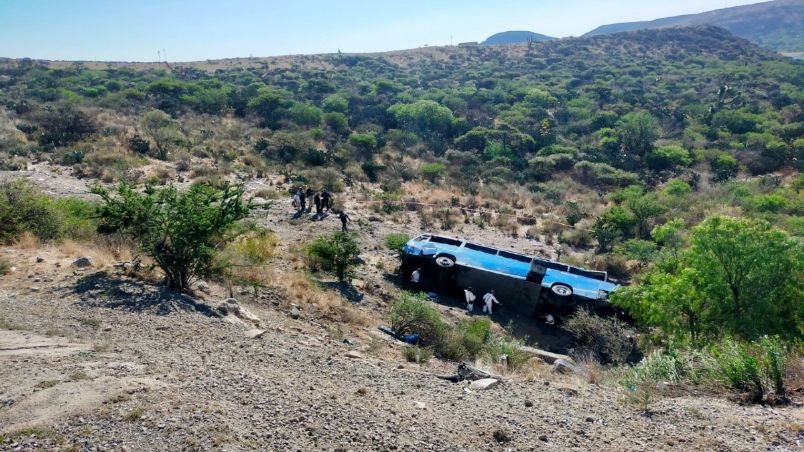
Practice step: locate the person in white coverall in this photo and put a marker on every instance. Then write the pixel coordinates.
(470, 299)
(489, 299)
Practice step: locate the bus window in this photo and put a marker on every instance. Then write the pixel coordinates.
(481, 248)
(445, 240)
(516, 257)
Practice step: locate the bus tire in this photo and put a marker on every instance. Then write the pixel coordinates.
(562, 290)
(445, 261)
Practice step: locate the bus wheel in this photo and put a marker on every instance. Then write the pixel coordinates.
(445, 261)
(561, 290)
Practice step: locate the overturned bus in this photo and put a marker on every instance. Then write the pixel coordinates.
(522, 283)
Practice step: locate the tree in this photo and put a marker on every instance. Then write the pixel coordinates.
(337, 102)
(365, 143)
(336, 253)
(615, 224)
(637, 132)
(644, 208)
(428, 119)
(724, 167)
(64, 125)
(305, 115)
(270, 104)
(668, 157)
(181, 231)
(163, 130)
(738, 277)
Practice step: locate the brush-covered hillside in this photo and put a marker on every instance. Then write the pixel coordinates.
(529, 130)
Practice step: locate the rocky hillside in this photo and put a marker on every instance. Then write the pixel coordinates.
(777, 25)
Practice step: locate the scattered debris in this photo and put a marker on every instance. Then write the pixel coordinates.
(484, 383)
(465, 372)
(82, 262)
(255, 333)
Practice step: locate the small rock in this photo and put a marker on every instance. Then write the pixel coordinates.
(662, 385)
(563, 366)
(39, 259)
(501, 436)
(82, 262)
(419, 405)
(107, 328)
(35, 289)
(590, 419)
(354, 354)
(255, 333)
(543, 438)
(295, 313)
(203, 286)
(528, 403)
(484, 383)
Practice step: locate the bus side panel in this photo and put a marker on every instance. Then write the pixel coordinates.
(515, 294)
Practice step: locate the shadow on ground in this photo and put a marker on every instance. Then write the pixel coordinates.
(346, 290)
(109, 291)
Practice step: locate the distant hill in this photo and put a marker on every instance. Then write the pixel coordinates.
(776, 25)
(515, 37)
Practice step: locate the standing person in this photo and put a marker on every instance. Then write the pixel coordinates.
(470, 299)
(415, 278)
(489, 299)
(317, 201)
(309, 195)
(325, 198)
(296, 200)
(344, 219)
(302, 200)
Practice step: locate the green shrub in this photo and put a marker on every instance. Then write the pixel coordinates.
(5, 266)
(415, 354)
(739, 368)
(396, 241)
(668, 157)
(432, 171)
(413, 314)
(182, 232)
(774, 362)
(605, 339)
(506, 346)
(336, 253)
(24, 209)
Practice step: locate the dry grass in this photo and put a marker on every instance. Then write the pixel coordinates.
(299, 288)
(28, 241)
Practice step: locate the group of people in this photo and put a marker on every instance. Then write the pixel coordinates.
(322, 201)
(489, 300)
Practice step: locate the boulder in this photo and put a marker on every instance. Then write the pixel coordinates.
(82, 262)
(295, 313)
(231, 307)
(564, 366)
(484, 383)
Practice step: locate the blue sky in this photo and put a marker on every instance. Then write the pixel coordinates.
(135, 30)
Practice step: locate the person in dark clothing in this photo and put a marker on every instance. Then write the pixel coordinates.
(302, 200)
(325, 199)
(317, 201)
(344, 219)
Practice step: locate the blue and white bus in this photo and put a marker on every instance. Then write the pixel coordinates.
(522, 283)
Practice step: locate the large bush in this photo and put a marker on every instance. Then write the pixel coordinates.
(24, 209)
(738, 277)
(336, 253)
(606, 339)
(181, 231)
